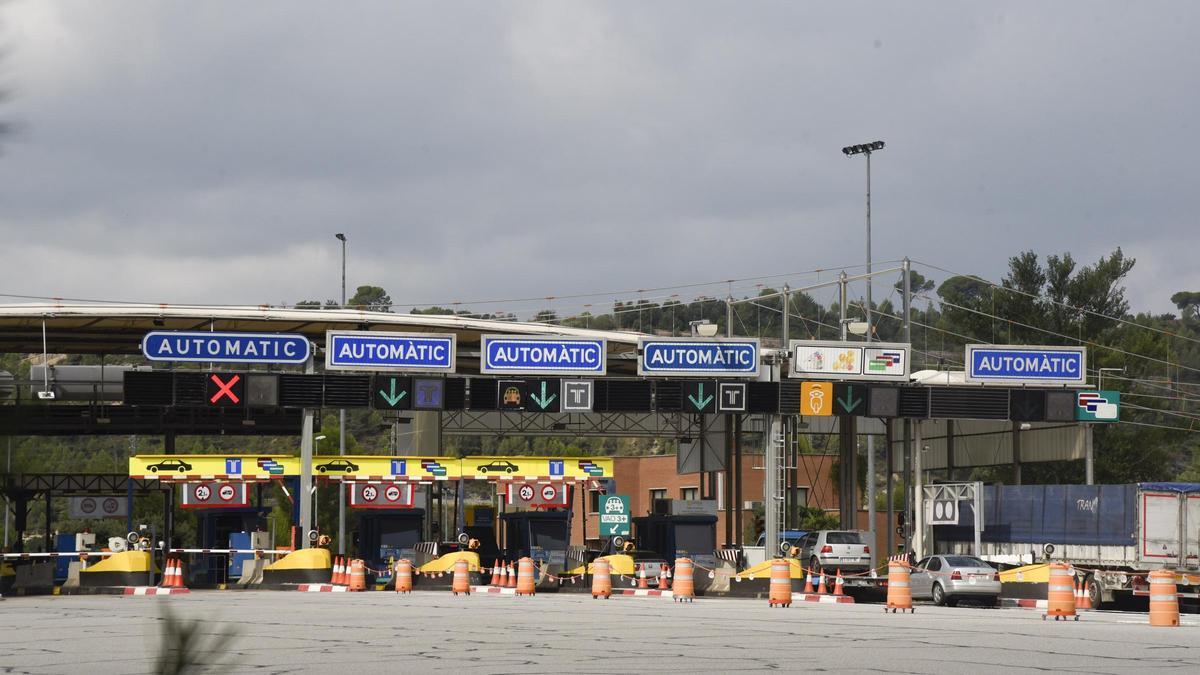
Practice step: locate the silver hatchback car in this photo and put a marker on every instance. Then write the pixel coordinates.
(946, 579)
(830, 550)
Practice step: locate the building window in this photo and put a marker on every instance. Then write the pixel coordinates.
(689, 493)
(657, 493)
(594, 501)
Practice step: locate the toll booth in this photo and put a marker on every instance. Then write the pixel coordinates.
(225, 528)
(678, 536)
(385, 535)
(543, 536)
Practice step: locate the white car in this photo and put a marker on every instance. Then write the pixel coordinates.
(946, 579)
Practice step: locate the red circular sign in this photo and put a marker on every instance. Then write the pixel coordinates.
(392, 493)
(87, 505)
(111, 506)
(549, 492)
(526, 493)
(203, 493)
(370, 493)
(227, 492)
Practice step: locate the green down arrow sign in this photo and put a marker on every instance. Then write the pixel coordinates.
(849, 397)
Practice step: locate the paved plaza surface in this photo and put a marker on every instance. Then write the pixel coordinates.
(377, 632)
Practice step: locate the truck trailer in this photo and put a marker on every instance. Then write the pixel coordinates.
(1113, 535)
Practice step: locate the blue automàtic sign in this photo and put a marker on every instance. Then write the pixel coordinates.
(542, 355)
(225, 347)
(1011, 364)
(730, 357)
(370, 350)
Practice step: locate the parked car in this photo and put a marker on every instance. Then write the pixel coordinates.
(169, 465)
(830, 550)
(792, 537)
(946, 579)
(337, 465)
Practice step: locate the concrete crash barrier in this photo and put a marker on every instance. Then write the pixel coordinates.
(306, 566)
(127, 568)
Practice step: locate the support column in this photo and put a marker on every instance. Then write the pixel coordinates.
(950, 450)
(1016, 452)
(773, 449)
(20, 521)
(919, 495)
(730, 477)
(303, 492)
(737, 485)
(848, 474)
(908, 485)
(890, 462)
(1089, 457)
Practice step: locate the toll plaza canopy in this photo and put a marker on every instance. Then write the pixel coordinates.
(350, 468)
(113, 329)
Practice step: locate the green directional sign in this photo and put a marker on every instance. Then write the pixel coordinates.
(614, 516)
(1098, 406)
(699, 396)
(543, 395)
(849, 399)
(392, 392)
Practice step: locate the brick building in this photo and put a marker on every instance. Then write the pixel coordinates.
(647, 478)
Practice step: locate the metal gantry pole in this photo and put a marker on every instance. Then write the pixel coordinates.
(842, 304)
(304, 494)
(906, 305)
(342, 429)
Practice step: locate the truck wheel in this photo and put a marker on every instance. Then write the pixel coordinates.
(1093, 589)
(939, 595)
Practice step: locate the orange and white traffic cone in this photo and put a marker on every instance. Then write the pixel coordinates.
(821, 585)
(664, 581)
(1085, 597)
(167, 574)
(837, 585)
(512, 576)
(179, 578)
(808, 587)
(335, 576)
(642, 576)
(496, 573)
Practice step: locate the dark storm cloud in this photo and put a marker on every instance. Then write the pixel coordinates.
(206, 152)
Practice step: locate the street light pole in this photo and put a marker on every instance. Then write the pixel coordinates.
(342, 425)
(849, 151)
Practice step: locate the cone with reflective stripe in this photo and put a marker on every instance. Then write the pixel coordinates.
(496, 574)
(821, 585)
(837, 585)
(808, 587)
(1060, 593)
(664, 581)
(641, 573)
(512, 576)
(1085, 596)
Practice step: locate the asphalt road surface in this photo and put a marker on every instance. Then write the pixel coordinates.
(346, 634)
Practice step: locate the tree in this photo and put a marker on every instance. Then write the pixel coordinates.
(316, 304)
(1188, 303)
(371, 298)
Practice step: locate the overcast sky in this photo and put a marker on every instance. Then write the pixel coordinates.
(207, 152)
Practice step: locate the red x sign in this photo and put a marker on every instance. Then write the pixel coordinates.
(224, 389)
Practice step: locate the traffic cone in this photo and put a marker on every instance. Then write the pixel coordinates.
(1085, 598)
(512, 576)
(642, 576)
(335, 576)
(167, 575)
(821, 585)
(837, 586)
(664, 582)
(496, 573)
(173, 580)
(808, 582)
